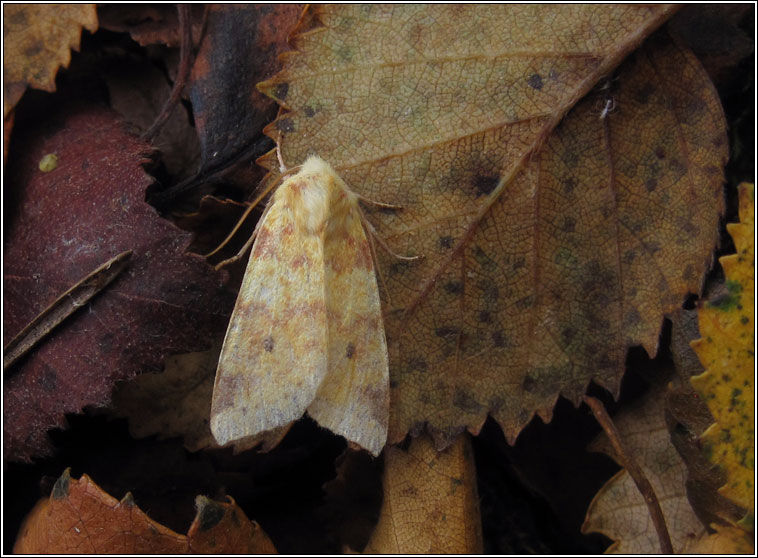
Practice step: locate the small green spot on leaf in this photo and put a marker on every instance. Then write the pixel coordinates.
(48, 163)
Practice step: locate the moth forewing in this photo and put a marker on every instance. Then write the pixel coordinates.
(274, 353)
(353, 399)
(307, 330)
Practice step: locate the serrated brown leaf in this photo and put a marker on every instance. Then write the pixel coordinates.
(37, 40)
(80, 518)
(61, 225)
(546, 250)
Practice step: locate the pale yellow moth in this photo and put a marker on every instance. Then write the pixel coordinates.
(306, 333)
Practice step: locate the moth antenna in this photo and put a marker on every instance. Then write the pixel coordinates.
(241, 220)
(282, 166)
(283, 170)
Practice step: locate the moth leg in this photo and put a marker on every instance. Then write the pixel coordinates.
(247, 245)
(242, 219)
(376, 203)
(372, 233)
(372, 230)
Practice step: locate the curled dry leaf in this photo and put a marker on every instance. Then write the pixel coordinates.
(619, 510)
(150, 24)
(430, 501)
(79, 518)
(726, 349)
(37, 40)
(61, 225)
(546, 250)
(240, 44)
(353, 499)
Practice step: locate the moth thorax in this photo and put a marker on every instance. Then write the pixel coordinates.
(309, 199)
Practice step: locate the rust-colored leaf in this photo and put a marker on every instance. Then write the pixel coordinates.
(80, 518)
(37, 40)
(546, 250)
(62, 224)
(430, 501)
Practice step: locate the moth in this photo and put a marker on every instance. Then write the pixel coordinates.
(306, 333)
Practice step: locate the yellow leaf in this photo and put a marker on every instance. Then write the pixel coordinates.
(430, 501)
(726, 540)
(726, 351)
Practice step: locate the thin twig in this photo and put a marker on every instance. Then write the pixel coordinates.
(65, 305)
(182, 75)
(639, 478)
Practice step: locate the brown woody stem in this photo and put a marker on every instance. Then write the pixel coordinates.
(65, 305)
(635, 471)
(182, 75)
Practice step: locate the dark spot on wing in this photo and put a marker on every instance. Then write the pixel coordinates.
(268, 344)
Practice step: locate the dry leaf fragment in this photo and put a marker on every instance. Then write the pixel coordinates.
(177, 402)
(548, 251)
(150, 24)
(619, 511)
(240, 45)
(430, 501)
(37, 40)
(79, 518)
(306, 332)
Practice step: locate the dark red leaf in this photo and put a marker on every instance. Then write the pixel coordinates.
(62, 224)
